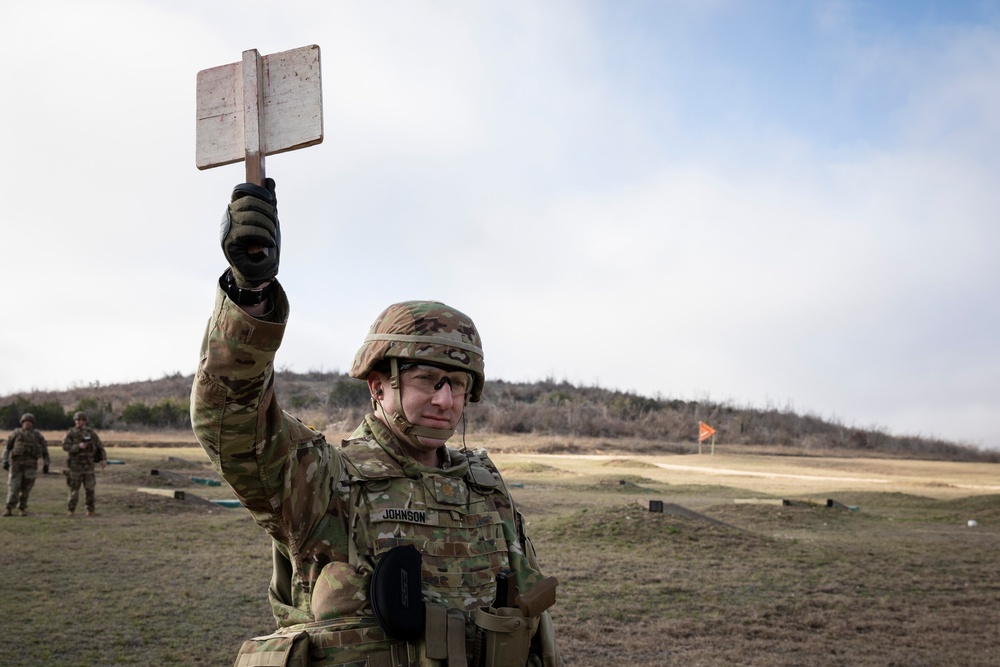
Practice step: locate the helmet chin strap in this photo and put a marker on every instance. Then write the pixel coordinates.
(410, 430)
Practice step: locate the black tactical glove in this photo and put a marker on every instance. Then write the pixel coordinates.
(6, 465)
(45, 469)
(251, 237)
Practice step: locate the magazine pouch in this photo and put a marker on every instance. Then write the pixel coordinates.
(508, 636)
(347, 642)
(277, 650)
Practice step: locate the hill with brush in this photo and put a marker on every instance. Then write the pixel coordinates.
(623, 420)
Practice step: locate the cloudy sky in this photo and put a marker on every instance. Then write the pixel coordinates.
(766, 203)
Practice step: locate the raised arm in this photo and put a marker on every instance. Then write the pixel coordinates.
(261, 451)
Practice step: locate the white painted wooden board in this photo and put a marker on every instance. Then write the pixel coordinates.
(292, 113)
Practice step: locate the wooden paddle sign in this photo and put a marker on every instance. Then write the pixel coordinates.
(258, 107)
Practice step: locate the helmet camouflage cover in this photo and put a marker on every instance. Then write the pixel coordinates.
(80, 415)
(27, 417)
(423, 331)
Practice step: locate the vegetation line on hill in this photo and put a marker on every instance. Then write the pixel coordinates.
(328, 399)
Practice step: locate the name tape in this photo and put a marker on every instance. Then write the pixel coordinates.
(407, 516)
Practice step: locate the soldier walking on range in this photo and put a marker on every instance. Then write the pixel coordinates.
(84, 449)
(392, 549)
(20, 456)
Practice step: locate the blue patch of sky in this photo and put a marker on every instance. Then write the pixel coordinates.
(818, 71)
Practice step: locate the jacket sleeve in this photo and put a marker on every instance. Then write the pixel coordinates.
(278, 467)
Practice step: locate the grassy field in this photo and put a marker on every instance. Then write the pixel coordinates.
(892, 574)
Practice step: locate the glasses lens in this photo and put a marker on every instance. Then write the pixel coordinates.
(430, 379)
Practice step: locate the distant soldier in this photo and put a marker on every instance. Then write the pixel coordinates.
(84, 449)
(20, 456)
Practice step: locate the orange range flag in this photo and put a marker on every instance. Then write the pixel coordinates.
(704, 431)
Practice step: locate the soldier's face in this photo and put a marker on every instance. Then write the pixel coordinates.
(27, 425)
(80, 422)
(437, 408)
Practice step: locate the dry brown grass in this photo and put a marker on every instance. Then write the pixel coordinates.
(909, 584)
(900, 580)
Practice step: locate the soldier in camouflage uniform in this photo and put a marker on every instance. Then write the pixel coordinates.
(83, 449)
(394, 487)
(20, 456)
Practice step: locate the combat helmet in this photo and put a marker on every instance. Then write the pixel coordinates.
(79, 414)
(27, 417)
(425, 332)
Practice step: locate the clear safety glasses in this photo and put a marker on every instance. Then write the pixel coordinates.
(430, 379)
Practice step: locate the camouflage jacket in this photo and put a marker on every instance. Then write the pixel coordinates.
(26, 446)
(82, 460)
(331, 511)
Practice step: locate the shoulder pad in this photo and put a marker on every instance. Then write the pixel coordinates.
(482, 472)
(367, 460)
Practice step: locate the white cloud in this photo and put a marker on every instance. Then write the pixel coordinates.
(615, 199)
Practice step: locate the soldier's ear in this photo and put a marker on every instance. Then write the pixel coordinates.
(375, 382)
